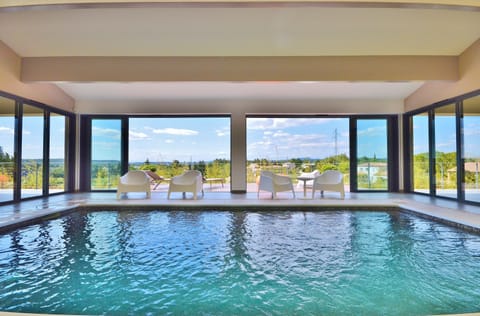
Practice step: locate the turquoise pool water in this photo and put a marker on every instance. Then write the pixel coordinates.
(240, 263)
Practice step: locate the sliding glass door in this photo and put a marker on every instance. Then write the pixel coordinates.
(372, 161)
(297, 145)
(32, 151)
(57, 162)
(445, 151)
(420, 158)
(7, 139)
(471, 148)
(106, 153)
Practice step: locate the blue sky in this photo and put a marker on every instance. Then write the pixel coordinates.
(33, 136)
(445, 139)
(287, 138)
(185, 139)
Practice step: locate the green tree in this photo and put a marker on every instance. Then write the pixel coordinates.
(201, 166)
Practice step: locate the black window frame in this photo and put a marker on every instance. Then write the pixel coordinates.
(70, 135)
(86, 141)
(408, 153)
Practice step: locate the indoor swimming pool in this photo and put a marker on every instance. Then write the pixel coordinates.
(240, 263)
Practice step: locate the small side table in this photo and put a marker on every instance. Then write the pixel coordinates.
(212, 180)
(305, 179)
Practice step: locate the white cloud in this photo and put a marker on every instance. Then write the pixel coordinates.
(280, 134)
(373, 131)
(169, 141)
(174, 131)
(7, 130)
(106, 132)
(472, 130)
(282, 123)
(137, 135)
(223, 132)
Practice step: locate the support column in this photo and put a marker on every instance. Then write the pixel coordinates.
(238, 145)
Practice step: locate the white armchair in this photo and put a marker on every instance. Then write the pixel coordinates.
(274, 183)
(330, 180)
(189, 181)
(134, 181)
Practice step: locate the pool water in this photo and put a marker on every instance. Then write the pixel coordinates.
(240, 263)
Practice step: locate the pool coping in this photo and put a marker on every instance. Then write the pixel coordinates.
(465, 220)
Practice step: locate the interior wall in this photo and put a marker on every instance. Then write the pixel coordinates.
(435, 91)
(10, 68)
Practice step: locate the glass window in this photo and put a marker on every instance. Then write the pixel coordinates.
(372, 154)
(32, 151)
(420, 154)
(106, 153)
(57, 153)
(7, 138)
(292, 146)
(471, 146)
(445, 151)
(169, 145)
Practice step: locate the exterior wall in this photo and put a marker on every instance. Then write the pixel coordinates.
(10, 68)
(435, 91)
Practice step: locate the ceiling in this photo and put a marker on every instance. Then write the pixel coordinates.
(238, 30)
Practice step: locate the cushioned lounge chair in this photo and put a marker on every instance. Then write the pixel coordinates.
(155, 179)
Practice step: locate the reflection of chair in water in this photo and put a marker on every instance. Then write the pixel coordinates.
(274, 183)
(330, 180)
(189, 181)
(155, 179)
(133, 181)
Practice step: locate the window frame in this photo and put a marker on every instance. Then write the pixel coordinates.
(459, 136)
(69, 147)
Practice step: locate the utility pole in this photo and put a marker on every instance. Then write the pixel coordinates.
(336, 142)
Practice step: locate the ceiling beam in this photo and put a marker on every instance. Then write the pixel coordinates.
(40, 4)
(149, 69)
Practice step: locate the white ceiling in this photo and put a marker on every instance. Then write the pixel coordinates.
(276, 30)
(239, 31)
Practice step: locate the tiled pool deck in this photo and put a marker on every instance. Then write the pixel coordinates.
(467, 216)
